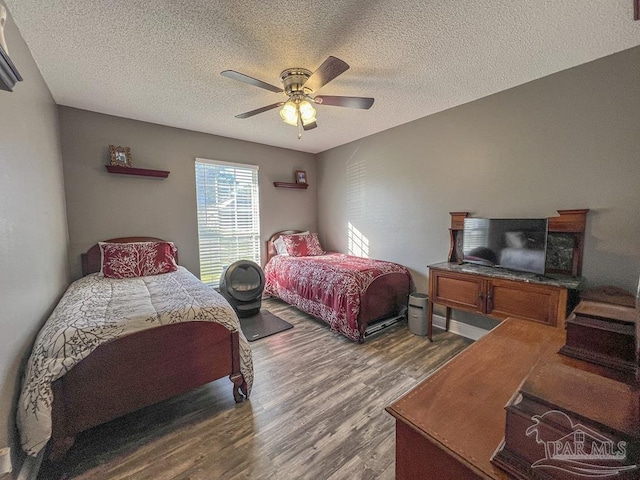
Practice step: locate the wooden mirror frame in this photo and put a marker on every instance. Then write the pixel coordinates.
(571, 222)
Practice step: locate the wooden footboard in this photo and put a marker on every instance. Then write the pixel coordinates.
(386, 296)
(138, 370)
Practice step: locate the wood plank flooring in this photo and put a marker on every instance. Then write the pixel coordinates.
(316, 412)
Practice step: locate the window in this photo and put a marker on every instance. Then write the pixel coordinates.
(228, 216)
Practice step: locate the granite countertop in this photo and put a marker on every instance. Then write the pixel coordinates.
(571, 283)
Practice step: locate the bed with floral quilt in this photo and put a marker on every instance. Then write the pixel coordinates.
(349, 293)
(135, 330)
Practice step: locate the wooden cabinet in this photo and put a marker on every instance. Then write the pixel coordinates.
(539, 303)
(603, 333)
(478, 290)
(458, 290)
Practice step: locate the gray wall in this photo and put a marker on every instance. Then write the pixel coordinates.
(570, 140)
(565, 141)
(101, 205)
(33, 226)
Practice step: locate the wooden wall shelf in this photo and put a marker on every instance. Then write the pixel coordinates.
(144, 172)
(291, 185)
(9, 75)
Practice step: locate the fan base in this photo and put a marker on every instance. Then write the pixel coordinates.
(293, 79)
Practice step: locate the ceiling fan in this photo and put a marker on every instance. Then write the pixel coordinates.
(299, 84)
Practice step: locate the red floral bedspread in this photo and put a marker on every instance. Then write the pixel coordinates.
(329, 286)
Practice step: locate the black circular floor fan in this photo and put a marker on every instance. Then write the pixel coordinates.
(242, 283)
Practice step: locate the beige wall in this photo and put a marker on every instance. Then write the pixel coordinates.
(33, 228)
(102, 205)
(570, 140)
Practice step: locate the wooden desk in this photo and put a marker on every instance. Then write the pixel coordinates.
(449, 426)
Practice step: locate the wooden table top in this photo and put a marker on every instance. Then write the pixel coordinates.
(461, 406)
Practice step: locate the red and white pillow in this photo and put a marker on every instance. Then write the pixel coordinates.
(281, 248)
(137, 259)
(306, 245)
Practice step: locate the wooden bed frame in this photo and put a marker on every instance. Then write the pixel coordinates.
(140, 369)
(385, 298)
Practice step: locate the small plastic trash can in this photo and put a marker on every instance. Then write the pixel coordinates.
(418, 313)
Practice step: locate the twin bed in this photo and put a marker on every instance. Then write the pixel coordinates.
(354, 295)
(137, 329)
(114, 345)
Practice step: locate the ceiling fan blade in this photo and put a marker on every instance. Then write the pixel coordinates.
(309, 126)
(330, 69)
(259, 110)
(350, 102)
(250, 80)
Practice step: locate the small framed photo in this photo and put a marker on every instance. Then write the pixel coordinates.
(301, 176)
(120, 156)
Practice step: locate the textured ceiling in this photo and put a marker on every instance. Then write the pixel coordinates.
(160, 61)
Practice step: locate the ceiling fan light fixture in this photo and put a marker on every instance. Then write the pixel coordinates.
(296, 111)
(307, 112)
(289, 113)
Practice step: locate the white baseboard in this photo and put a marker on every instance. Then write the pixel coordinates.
(459, 328)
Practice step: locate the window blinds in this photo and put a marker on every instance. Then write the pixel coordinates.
(228, 216)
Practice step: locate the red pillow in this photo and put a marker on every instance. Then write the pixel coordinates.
(137, 259)
(303, 245)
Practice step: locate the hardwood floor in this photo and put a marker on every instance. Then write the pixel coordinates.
(316, 412)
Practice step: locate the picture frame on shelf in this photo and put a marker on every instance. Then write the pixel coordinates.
(301, 176)
(120, 156)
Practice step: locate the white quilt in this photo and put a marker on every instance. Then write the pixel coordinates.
(95, 310)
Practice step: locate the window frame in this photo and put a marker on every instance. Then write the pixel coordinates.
(225, 224)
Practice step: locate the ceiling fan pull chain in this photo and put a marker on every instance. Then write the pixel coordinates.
(299, 122)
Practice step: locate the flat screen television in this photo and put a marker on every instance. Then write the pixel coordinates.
(514, 243)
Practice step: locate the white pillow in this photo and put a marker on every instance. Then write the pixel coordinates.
(281, 248)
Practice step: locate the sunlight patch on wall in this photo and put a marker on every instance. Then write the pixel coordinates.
(358, 244)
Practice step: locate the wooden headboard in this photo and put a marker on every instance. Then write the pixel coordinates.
(271, 248)
(92, 259)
